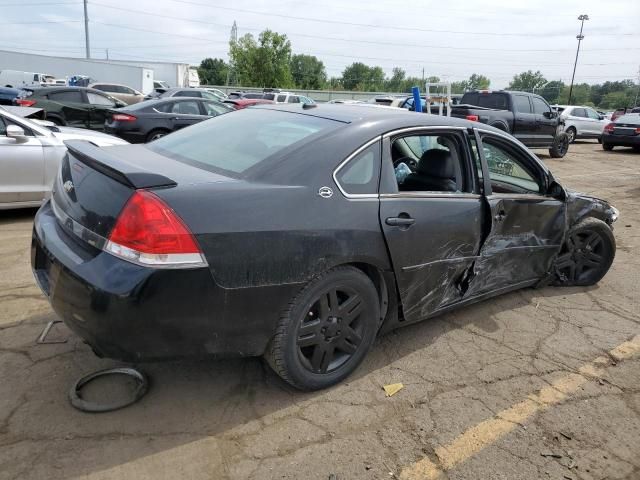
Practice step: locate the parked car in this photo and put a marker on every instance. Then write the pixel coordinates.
(153, 119)
(123, 93)
(71, 106)
(8, 95)
(287, 231)
(526, 116)
(218, 93)
(188, 92)
(624, 131)
(250, 95)
(581, 122)
(622, 111)
(240, 103)
(30, 156)
(19, 79)
(345, 100)
(288, 97)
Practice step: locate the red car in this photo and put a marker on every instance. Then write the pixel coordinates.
(240, 103)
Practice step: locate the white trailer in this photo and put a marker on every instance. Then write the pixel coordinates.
(174, 74)
(135, 76)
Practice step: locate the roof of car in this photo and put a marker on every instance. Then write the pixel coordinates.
(362, 112)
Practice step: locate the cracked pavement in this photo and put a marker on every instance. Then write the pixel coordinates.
(234, 419)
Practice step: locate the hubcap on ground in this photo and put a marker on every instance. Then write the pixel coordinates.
(332, 330)
(583, 254)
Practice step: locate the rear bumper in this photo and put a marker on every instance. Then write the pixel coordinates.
(135, 313)
(622, 140)
(132, 136)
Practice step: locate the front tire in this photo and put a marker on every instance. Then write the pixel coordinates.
(587, 254)
(560, 146)
(327, 330)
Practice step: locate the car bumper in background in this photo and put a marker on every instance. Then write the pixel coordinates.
(621, 140)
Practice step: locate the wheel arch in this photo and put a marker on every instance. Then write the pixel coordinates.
(501, 126)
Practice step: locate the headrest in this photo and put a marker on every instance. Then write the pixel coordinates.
(437, 163)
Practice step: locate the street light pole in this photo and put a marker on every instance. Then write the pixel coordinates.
(580, 37)
(86, 31)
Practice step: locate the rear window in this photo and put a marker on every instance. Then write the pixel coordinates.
(234, 143)
(629, 118)
(487, 100)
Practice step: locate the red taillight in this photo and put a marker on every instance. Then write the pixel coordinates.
(123, 117)
(609, 127)
(25, 103)
(473, 118)
(149, 232)
(637, 130)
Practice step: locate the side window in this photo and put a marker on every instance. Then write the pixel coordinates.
(579, 112)
(213, 109)
(281, 98)
(592, 114)
(73, 96)
(476, 157)
(164, 107)
(36, 78)
(102, 88)
(95, 99)
(360, 174)
(430, 163)
(539, 106)
(187, 93)
(521, 102)
(508, 170)
(293, 99)
(186, 108)
(3, 127)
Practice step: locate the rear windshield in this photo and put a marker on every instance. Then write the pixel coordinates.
(629, 118)
(234, 143)
(487, 100)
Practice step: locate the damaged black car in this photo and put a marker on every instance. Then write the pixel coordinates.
(300, 233)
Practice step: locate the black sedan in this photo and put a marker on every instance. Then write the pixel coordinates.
(150, 120)
(300, 233)
(624, 131)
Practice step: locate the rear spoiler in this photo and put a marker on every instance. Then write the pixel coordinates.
(115, 167)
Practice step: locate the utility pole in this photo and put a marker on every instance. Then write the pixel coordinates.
(635, 102)
(580, 37)
(86, 31)
(232, 41)
(107, 50)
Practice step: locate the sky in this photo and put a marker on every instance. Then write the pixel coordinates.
(451, 40)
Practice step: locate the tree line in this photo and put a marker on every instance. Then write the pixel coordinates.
(268, 61)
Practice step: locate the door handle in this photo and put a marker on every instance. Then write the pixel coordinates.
(500, 216)
(400, 221)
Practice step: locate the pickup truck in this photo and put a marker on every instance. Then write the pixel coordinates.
(526, 116)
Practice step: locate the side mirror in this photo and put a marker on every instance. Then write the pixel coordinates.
(17, 133)
(555, 190)
(550, 115)
(601, 117)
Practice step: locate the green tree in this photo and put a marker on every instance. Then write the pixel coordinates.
(459, 87)
(308, 72)
(478, 82)
(262, 63)
(359, 76)
(527, 81)
(552, 91)
(396, 82)
(613, 100)
(213, 71)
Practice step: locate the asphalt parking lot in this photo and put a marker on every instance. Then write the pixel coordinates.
(536, 384)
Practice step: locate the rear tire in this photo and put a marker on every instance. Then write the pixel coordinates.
(156, 134)
(572, 134)
(587, 254)
(607, 146)
(560, 146)
(327, 330)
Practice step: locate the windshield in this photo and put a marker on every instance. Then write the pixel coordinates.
(235, 142)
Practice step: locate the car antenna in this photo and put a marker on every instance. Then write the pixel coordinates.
(305, 106)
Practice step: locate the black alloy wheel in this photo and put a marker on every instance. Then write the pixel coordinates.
(327, 331)
(587, 254)
(332, 331)
(560, 146)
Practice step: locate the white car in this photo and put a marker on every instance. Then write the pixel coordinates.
(287, 97)
(581, 122)
(30, 154)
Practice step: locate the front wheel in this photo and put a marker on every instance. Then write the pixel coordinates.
(587, 254)
(560, 146)
(327, 330)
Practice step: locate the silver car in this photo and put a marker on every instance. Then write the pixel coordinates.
(581, 122)
(30, 155)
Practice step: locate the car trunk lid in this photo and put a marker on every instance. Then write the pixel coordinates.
(94, 184)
